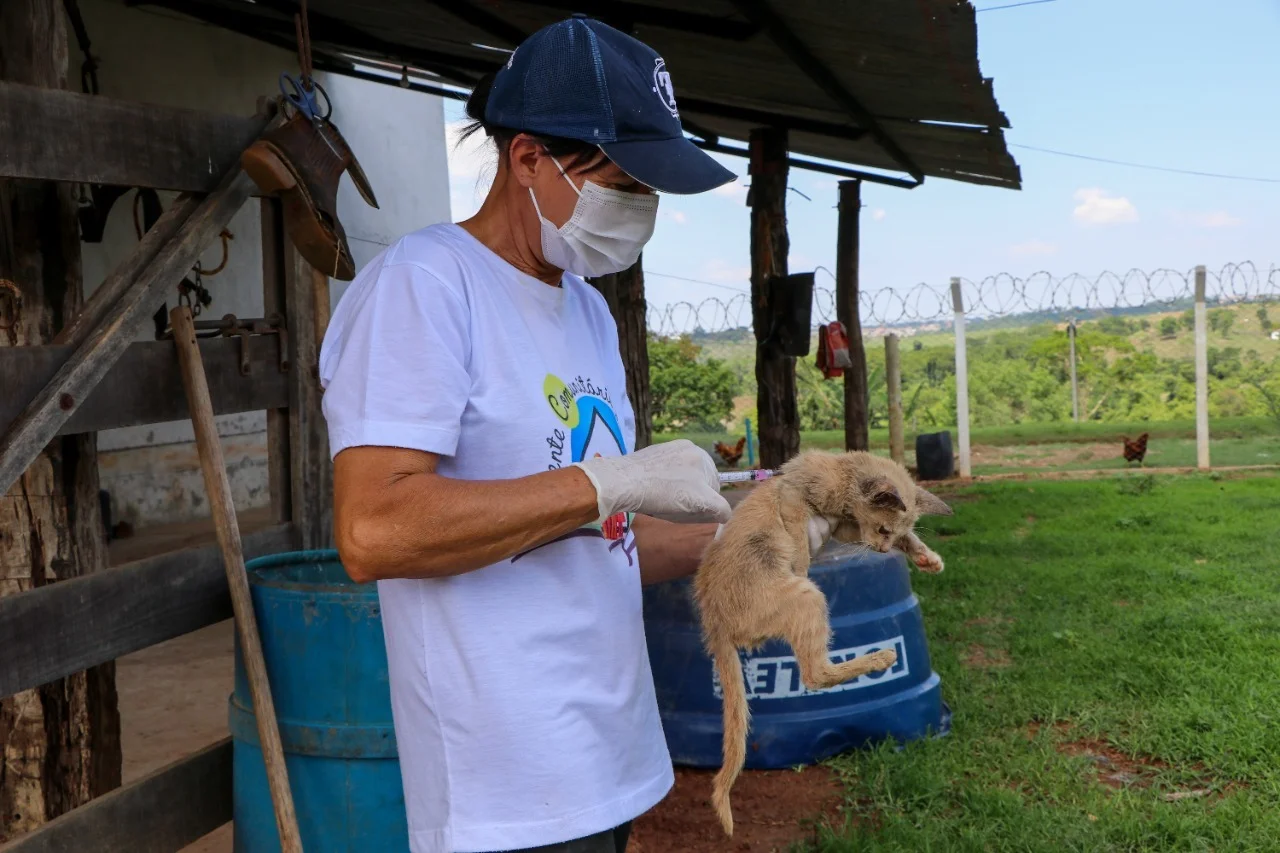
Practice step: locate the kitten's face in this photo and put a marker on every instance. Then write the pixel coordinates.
(885, 515)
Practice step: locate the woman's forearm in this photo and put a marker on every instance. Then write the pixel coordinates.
(668, 550)
(395, 517)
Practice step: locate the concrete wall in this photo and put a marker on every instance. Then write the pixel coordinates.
(159, 57)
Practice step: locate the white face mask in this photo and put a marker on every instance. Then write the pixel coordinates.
(604, 235)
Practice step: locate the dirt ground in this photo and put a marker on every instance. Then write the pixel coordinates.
(173, 701)
(772, 809)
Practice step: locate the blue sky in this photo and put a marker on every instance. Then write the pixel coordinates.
(1185, 84)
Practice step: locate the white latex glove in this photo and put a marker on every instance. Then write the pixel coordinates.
(674, 480)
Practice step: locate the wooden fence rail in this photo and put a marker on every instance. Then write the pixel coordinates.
(145, 385)
(65, 627)
(159, 813)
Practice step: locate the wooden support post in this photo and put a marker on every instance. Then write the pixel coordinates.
(893, 376)
(218, 488)
(962, 380)
(624, 291)
(1202, 374)
(856, 393)
(310, 469)
(59, 743)
(778, 417)
(274, 251)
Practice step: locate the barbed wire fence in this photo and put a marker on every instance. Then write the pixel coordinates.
(1005, 295)
(996, 296)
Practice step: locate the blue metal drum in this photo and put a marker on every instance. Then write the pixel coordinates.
(327, 663)
(872, 607)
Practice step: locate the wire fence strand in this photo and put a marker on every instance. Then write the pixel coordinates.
(996, 296)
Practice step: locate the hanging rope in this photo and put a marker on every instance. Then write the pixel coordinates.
(304, 44)
(88, 68)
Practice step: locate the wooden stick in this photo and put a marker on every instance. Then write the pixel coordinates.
(320, 284)
(224, 516)
(129, 270)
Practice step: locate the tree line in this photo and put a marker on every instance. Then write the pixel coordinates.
(1128, 370)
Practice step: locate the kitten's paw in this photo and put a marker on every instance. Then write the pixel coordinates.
(882, 659)
(928, 562)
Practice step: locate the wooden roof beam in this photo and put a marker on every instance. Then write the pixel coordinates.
(494, 25)
(669, 19)
(281, 32)
(762, 15)
(812, 166)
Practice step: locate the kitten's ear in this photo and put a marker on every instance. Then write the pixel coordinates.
(883, 494)
(930, 504)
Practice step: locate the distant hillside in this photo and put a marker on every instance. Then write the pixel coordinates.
(1134, 365)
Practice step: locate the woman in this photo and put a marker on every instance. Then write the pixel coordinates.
(483, 465)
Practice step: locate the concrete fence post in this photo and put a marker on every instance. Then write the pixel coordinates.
(962, 380)
(893, 377)
(1202, 374)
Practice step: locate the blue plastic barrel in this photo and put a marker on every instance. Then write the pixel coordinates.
(327, 664)
(872, 607)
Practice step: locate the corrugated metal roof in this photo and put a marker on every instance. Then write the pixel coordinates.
(853, 81)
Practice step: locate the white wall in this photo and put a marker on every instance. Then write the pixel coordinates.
(159, 57)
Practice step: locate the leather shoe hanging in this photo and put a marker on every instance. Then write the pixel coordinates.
(302, 162)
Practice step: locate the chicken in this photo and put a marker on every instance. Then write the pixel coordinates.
(1135, 450)
(731, 454)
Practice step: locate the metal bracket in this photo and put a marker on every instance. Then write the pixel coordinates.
(232, 326)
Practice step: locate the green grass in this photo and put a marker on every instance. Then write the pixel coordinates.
(1142, 612)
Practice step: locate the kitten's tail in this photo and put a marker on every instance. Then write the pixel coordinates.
(736, 719)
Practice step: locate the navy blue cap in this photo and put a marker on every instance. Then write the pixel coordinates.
(582, 79)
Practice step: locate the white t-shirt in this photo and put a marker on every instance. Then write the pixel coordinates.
(522, 697)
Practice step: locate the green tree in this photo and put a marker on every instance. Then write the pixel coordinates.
(1115, 326)
(1189, 319)
(1263, 318)
(686, 393)
(1168, 327)
(819, 401)
(1221, 321)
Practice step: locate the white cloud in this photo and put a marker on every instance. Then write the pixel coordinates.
(1208, 219)
(1098, 207)
(677, 216)
(878, 214)
(1034, 247)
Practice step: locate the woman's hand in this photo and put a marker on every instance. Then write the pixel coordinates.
(667, 550)
(675, 480)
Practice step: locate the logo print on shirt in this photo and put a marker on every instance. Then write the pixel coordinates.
(588, 428)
